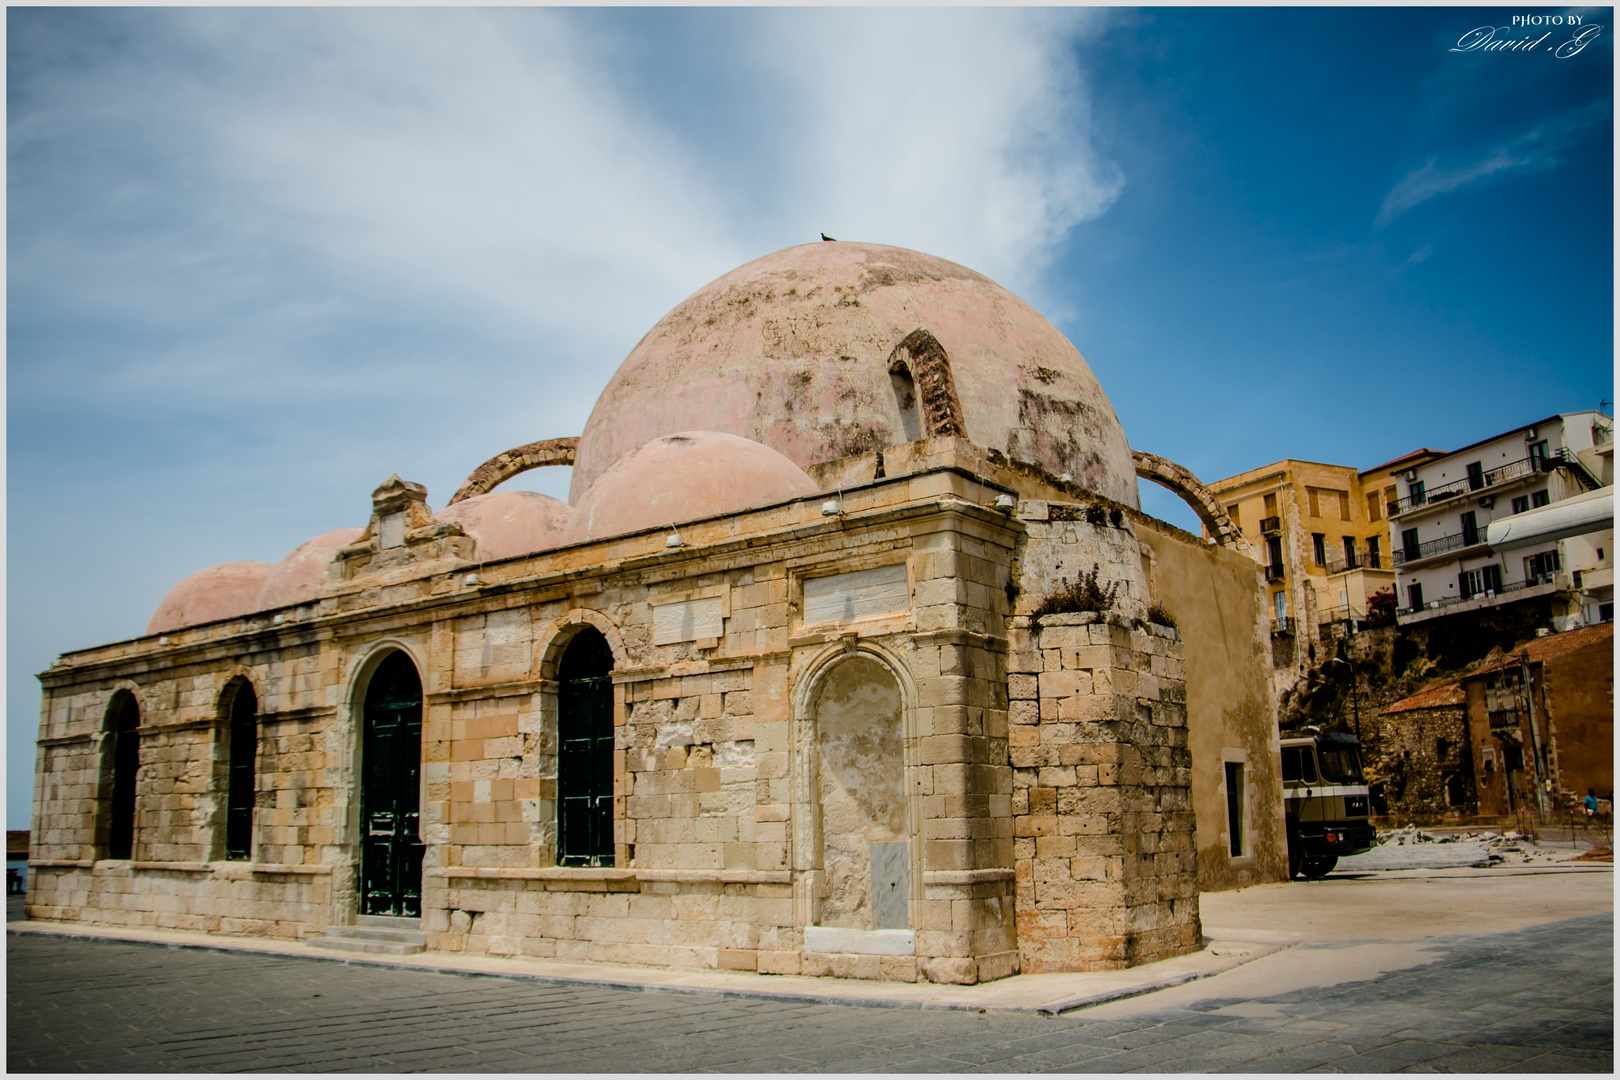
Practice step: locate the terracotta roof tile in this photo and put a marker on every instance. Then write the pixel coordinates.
(1553, 646)
(1435, 697)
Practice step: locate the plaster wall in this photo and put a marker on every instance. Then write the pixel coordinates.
(1217, 599)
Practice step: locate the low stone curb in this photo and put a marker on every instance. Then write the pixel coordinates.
(1020, 993)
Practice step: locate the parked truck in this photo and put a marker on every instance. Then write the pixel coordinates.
(1325, 801)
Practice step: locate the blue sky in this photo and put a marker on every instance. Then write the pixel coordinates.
(261, 259)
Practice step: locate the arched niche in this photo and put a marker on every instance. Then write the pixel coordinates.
(857, 825)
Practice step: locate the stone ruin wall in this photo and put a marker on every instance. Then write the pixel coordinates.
(1106, 859)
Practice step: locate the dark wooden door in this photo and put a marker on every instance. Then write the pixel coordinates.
(585, 753)
(390, 805)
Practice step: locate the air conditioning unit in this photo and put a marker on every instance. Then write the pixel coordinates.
(1487, 501)
(1529, 433)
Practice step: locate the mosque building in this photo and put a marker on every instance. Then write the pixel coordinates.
(851, 654)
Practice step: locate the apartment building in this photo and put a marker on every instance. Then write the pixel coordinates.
(1453, 547)
(1319, 532)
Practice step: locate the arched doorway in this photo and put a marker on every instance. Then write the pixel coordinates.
(865, 831)
(126, 763)
(390, 798)
(585, 752)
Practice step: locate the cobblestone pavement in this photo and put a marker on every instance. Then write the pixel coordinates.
(1533, 1000)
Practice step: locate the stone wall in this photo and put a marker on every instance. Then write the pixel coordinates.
(1106, 866)
(1421, 750)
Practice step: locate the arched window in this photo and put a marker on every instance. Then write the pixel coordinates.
(242, 776)
(126, 763)
(585, 752)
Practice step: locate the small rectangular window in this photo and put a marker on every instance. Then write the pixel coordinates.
(1344, 505)
(1539, 498)
(1476, 475)
(1234, 807)
(1313, 497)
(1271, 505)
(1521, 503)
(1414, 596)
(1232, 512)
(1416, 491)
(1319, 543)
(1539, 456)
(1392, 504)
(1374, 506)
(1349, 552)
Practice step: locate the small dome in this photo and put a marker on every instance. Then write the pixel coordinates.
(792, 350)
(509, 523)
(687, 476)
(219, 592)
(301, 574)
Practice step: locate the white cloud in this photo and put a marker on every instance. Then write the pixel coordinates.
(1536, 149)
(964, 132)
(261, 258)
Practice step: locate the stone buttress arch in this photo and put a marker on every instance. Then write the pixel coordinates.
(1168, 474)
(509, 463)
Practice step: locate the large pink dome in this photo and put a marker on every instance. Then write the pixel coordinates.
(219, 592)
(301, 573)
(684, 477)
(792, 351)
(507, 523)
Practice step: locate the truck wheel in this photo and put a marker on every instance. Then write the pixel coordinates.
(1296, 851)
(1317, 869)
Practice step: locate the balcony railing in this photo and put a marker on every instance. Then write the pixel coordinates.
(1495, 594)
(1275, 572)
(1363, 559)
(1454, 542)
(1326, 616)
(1270, 526)
(1282, 624)
(1513, 470)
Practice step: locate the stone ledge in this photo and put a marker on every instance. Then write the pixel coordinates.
(604, 879)
(835, 939)
(967, 877)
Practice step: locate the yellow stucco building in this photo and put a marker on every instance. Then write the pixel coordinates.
(1322, 539)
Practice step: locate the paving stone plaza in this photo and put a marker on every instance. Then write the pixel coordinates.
(1539, 999)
